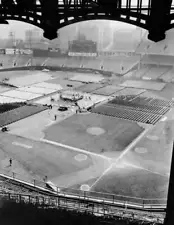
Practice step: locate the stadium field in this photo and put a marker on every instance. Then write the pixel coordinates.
(94, 133)
(89, 87)
(143, 172)
(107, 90)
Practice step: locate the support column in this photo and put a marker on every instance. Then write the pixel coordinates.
(169, 219)
(50, 18)
(158, 19)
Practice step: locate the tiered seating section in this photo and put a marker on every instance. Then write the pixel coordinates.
(20, 113)
(152, 72)
(151, 66)
(118, 64)
(135, 108)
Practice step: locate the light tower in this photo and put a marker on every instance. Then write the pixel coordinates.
(12, 40)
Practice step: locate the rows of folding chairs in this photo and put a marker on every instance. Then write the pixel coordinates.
(128, 114)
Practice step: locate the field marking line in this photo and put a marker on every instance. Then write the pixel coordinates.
(142, 168)
(99, 178)
(132, 144)
(121, 155)
(21, 144)
(73, 148)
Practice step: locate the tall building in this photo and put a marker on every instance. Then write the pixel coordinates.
(33, 37)
(11, 42)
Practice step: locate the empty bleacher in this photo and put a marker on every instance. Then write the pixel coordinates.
(56, 61)
(158, 60)
(155, 72)
(8, 61)
(168, 77)
(119, 64)
(91, 63)
(139, 73)
(22, 60)
(74, 62)
(135, 108)
(37, 61)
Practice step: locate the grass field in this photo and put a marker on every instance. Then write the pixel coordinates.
(141, 175)
(73, 132)
(133, 182)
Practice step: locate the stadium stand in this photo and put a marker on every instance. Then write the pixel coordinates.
(157, 60)
(91, 63)
(73, 62)
(56, 61)
(169, 76)
(7, 61)
(22, 60)
(37, 61)
(155, 72)
(139, 73)
(119, 64)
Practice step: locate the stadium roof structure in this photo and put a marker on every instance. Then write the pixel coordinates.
(156, 16)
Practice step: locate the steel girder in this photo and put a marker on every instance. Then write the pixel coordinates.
(51, 15)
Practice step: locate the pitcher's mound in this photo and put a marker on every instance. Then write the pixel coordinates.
(141, 150)
(95, 130)
(84, 187)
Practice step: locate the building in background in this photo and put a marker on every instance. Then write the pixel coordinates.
(33, 38)
(82, 46)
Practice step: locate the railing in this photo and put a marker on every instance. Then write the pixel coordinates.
(98, 197)
(100, 209)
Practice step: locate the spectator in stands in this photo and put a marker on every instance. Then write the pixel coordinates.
(10, 161)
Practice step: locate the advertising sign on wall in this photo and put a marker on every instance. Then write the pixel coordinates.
(82, 54)
(16, 51)
(26, 51)
(9, 51)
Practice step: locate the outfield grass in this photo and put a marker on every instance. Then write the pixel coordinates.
(133, 182)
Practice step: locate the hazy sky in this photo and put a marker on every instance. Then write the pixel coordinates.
(20, 27)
